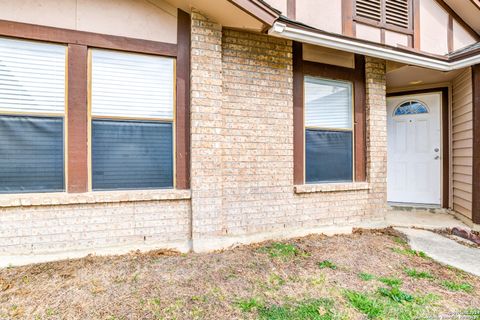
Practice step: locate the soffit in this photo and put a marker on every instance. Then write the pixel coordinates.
(468, 10)
(222, 12)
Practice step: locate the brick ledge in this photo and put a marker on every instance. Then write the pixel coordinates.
(53, 199)
(331, 187)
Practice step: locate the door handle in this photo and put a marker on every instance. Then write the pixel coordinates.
(437, 157)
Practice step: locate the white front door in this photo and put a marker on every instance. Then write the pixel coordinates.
(414, 149)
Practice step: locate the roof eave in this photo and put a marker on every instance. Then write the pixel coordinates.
(258, 9)
(314, 37)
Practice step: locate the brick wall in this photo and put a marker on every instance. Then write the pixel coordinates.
(251, 171)
(241, 165)
(65, 223)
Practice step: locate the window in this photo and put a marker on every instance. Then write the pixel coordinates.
(132, 102)
(410, 107)
(394, 13)
(328, 130)
(32, 111)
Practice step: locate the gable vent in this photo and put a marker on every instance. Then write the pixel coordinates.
(396, 13)
(370, 9)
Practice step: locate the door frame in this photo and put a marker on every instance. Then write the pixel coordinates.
(445, 137)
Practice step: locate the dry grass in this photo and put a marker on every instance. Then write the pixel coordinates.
(268, 281)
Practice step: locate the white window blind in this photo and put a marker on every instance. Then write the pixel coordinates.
(132, 85)
(32, 77)
(328, 104)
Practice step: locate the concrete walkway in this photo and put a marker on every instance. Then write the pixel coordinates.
(424, 219)
(444, 250)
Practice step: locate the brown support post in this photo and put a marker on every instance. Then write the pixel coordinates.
(416, 24)
(292, 9)
(476, 144)
(348, 28)
(77, 119)
(298, 129)
(450, 34)
(182, 121)
(360, 120)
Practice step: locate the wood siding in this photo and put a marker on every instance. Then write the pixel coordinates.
(462, 143)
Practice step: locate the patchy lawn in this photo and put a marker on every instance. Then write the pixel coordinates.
(367, 275)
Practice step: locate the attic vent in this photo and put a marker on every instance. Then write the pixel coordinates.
(396, 13)
(388, 14)
(370, 9)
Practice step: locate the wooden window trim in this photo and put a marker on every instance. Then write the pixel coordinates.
(77, 111)
(292, 9)
(182, 112)
(382, 24)
(445, 137)
(348, 25)
(78, 43)
(302, 68)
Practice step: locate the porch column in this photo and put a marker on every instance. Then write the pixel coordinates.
(376, 116)
(206, 128)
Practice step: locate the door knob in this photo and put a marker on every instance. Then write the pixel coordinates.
(437, 157)
(436, 149)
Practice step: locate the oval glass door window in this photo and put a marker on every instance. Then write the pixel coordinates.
(410, 107)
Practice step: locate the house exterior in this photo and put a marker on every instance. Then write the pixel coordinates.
(199, 124)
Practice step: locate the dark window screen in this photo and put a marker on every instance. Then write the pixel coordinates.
(328, 156)
(131, 155)
(31, 154)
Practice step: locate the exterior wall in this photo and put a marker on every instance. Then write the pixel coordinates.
(433, 28)
(321, 14)
(461, 38)
(395, 39)
(328, 56)
(242, 107)
(241, 166)
(462, 143)
(433, 25)
(150, 20)
(369, 33)
(32, 224)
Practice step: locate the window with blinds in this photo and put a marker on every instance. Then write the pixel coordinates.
(328, 130)
(385, 12)
(32, 111)
(132, 102)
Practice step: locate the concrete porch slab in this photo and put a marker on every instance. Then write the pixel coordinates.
(444, 250)
(425, 219)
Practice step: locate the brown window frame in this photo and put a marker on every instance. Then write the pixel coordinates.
(78, 43)
(382, 24)
(356, 76)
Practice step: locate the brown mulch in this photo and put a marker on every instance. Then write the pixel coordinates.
(165, 285)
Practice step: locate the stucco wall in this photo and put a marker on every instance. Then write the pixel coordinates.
(321, 14)
(144, 19)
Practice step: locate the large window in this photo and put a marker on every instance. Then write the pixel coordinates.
(32, 110)
(132, 127)
(328, 130)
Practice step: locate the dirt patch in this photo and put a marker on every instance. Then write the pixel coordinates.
(245, 283)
